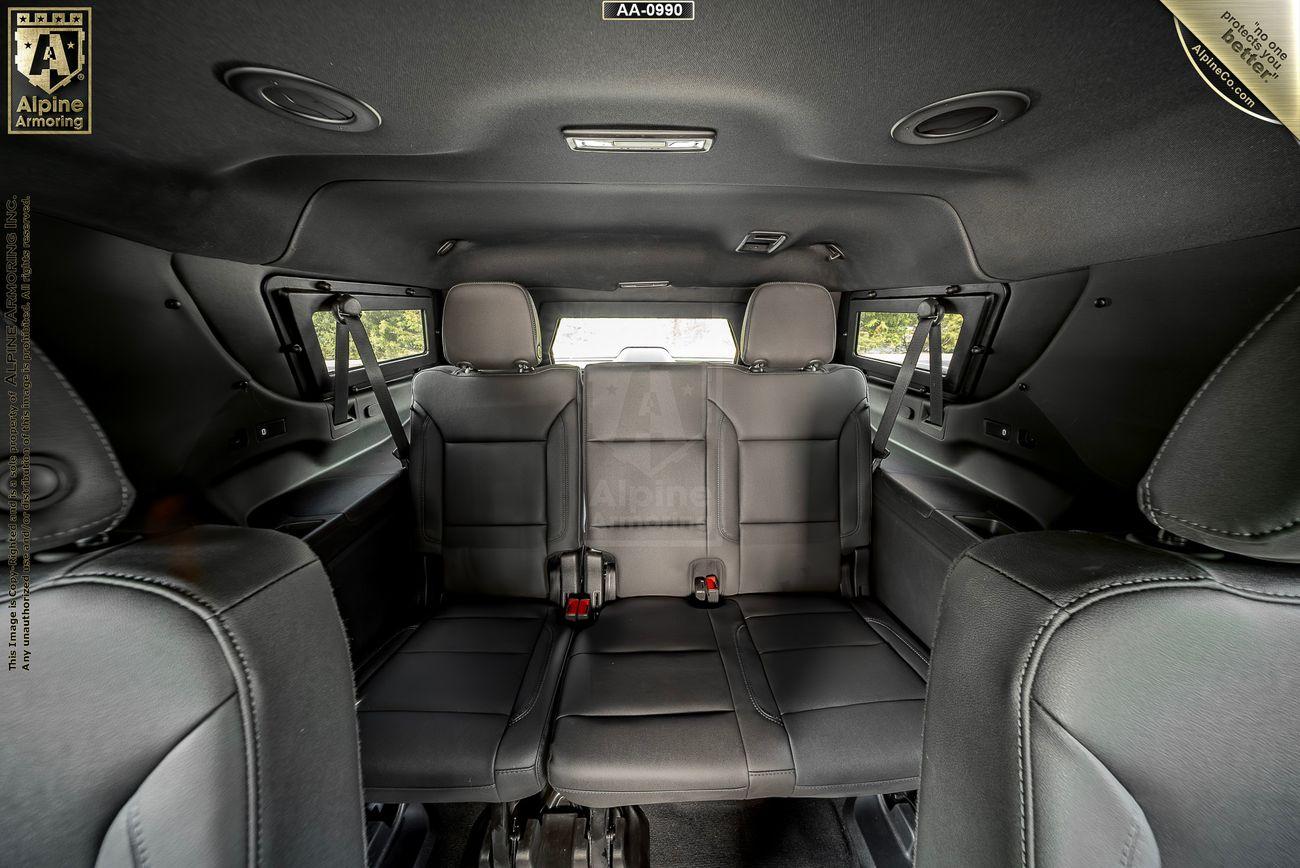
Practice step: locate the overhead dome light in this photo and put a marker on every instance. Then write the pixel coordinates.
(677, 141)
(301, 99)
(960, 117)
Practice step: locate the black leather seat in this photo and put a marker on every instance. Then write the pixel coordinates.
(459, 706)
(759, 475)
(165, 719)
(1094, 701)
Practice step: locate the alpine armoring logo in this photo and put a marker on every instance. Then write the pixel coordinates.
(49, 73)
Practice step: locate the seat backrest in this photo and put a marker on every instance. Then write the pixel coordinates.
(157, 712)
(757, 472)
(495, 447)
(645, 472)
(1135, 705)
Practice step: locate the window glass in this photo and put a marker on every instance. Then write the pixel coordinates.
(395, 334)
(580, 340)
(884, 335)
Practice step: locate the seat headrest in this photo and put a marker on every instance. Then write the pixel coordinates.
(787, 326)
(490, 327)
(1228, 474)
(77, 487)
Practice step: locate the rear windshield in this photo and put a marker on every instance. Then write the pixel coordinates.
(580, 340)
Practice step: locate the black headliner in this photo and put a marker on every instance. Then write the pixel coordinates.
(1124, 152)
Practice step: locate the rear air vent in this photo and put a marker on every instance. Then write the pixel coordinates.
(301, 99)
(761, 241)
(960, 117)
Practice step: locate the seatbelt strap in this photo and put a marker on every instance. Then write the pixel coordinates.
(928, 324)
(347, 314)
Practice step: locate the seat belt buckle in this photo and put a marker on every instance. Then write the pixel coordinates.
(577, 608)
(708, 589)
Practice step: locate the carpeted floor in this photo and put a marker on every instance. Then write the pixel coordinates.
(774, 833)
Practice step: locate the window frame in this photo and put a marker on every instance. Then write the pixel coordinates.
(293, 300)
(980, 306)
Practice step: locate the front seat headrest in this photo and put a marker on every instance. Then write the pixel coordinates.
(78, 489)
(788, 326)
(491, 327)
(1228, 474)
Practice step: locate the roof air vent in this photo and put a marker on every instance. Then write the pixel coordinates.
(761, 241)
(301, 99)
(960, 117)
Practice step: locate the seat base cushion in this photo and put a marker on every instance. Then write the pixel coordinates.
(460, 710)
(849, 685)
(765, 695)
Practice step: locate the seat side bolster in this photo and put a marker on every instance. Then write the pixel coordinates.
(519, 768)
(1000, 602)
(1082, 807)
(269, 605)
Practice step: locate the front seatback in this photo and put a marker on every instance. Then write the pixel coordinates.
(495, 447)
(756, 472)
(156, 711)
(1093, 701)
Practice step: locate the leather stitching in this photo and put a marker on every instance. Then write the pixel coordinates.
(861, 477)
(123, 488)
(135, 836)
(854, 784)
(900, 636)
(1126, 855)
(722, 523)
(537, 691)
(564, 476)
(1039, 644)
(1149, 500)
(753, 700)
(563, 789)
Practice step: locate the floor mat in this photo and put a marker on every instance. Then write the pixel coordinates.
(455, 826)
(772, 833)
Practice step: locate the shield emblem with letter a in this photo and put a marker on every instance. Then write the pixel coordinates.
(50, 47)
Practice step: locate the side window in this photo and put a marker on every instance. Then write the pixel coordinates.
(398, 320)
(879, 326)
(884, 336)
(394, 334)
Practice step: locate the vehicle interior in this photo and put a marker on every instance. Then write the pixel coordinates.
(809, 434)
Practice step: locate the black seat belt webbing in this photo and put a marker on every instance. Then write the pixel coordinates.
(347, 312)
(929, 318)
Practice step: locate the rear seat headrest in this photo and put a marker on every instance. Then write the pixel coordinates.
(77, 487)
(491, 327)
(1228, 474)
(788, 326)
